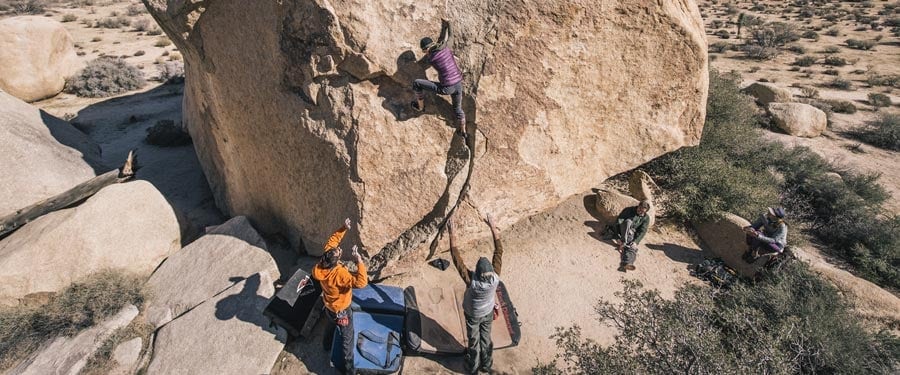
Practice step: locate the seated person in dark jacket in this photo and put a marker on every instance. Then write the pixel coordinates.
(630, 228)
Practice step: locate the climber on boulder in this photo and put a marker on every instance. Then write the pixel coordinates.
(440, 56)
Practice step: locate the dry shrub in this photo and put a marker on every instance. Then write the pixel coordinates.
(81, 305)
(105, 76)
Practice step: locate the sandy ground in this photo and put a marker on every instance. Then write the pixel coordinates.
(555, 265)
(556, 269)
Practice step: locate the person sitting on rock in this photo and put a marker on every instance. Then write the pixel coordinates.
(631, 226)
(440, 56)
(337, 289)
(767, 235)
(479, 305)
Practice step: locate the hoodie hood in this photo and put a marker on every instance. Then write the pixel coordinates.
(483, 269)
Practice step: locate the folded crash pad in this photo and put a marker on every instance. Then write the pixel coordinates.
(379, 298)
(293, 303)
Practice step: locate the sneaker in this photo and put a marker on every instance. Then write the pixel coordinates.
(622, 267)
(629, 267)
(415, 105)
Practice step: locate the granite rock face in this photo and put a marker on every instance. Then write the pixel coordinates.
(299, 109)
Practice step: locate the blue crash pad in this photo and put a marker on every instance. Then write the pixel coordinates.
(379, 299)
(381, 325)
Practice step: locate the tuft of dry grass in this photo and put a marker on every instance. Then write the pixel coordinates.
(81, 305)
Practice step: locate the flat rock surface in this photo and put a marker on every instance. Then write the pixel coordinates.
(227, 334)
(127, 226)
(227, 254)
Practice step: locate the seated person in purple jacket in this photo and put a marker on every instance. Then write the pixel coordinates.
(440, 56)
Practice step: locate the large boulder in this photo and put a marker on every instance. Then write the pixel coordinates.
(37, 54)
(42, 155)
(127, 226)
(799, 119)
(227, 254)
(69, 355)
(299, 109)
(725, 238)
(227, 334)
(766, 93)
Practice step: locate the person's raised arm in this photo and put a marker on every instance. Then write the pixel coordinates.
(497, 262)
(444, 39)
(361, 277)
(337, 236)
(454, 254)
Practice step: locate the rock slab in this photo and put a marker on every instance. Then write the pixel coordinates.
(320, 128)
(68, 355)
(227, 334)
(229, 253)
(128, 226)
(799, 119)
(42, 155)
(37, 54)
(126, 356)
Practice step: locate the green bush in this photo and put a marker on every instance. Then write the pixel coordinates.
(105, 77)
(879, 100)
(81, 305)
(773, 34)
(840, 84)
(29, 7)
(890, 80)
(883, 132)
(861, 44)
(718, 47)
(791, 322)
(842, 106)
(715, 175)
(805, 61)
(810, 35)
(722, 33)
(113, 22)
(734, 169)
(835, 61)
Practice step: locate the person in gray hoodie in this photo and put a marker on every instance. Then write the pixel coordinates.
(479, 302)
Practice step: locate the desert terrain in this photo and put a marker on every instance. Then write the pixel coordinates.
(557, 265)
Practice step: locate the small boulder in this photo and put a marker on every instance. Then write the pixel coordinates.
(610, 204)
(227, 254)
(37, 54)
(42, 155)
(639, 183)
(226, 334)
(69, 355)
(766, 93)
(126, 356)
(725, 238)
(128, 226)
(798, 119)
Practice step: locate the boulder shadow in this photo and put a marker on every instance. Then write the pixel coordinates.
(247, 305)
(679, 253)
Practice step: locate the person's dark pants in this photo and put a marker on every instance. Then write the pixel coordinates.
(346, 336)
(455, 92)
(479, 354)
(626, 234)
(759, 248)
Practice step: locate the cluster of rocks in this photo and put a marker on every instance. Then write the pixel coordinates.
(797, 119)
